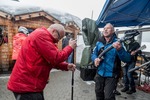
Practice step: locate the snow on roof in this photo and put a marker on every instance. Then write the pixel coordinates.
(17, 8)
(63, 16)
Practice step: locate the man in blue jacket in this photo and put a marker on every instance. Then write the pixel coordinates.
(108, 68)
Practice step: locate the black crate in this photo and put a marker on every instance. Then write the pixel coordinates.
(87, 74)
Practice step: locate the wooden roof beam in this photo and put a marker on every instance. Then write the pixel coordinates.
(36, 14)
(5, 15)
(72, 24)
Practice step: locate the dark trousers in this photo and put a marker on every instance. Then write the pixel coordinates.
(128, 78)
(29, 96)
(105, 87)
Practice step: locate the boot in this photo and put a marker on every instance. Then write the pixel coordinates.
(117, 92)
(124, 89)
(131, 91)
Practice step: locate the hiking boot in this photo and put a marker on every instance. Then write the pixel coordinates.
(117, 92)
(131, 91)
(125, 89)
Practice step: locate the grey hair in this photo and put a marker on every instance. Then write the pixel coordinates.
(58, 27)
(111, 26)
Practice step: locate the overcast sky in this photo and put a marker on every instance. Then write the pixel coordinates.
(80, 8)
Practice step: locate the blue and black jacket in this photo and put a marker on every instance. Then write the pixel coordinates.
(110, 66)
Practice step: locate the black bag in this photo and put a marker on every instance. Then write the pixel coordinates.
(88, 73)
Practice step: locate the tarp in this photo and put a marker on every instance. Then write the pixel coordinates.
(122, 13)
(90, 32)
(91, 35)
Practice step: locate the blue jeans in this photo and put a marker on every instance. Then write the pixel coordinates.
(128, 77)
(70, 58)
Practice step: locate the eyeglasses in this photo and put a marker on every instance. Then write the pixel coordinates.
(58, 34)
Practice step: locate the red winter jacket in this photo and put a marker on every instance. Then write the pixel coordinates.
(18, 40)
(37, 57)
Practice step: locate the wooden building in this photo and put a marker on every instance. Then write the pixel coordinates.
(9, 23)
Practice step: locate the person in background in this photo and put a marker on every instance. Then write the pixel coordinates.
(1, 34)
(128, 79)
(38, 55)
(108, 69)
(65, 42)
(5, 38)
(18, 40)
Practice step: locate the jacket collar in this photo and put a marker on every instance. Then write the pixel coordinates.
(102, 39)
(50, 34)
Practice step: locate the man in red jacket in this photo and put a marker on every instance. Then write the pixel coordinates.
(38, 55)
